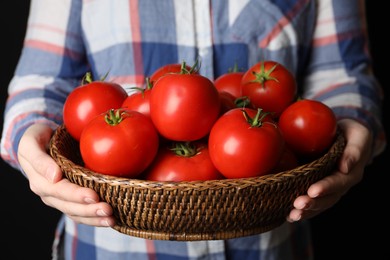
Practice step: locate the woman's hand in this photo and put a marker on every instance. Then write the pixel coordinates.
(46, 180)
(328, 191)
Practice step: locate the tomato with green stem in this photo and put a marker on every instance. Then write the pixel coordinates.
(120, 143)
(172, 68)
(184, 106)
(183, 161)
(245, 142)
(269, 85)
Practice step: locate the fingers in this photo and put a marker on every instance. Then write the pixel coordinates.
(324, 194)
(46, 180)
(80, 204)
(320, 196)
(96, 214)
(305, 207)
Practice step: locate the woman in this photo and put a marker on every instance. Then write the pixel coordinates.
(322, 42)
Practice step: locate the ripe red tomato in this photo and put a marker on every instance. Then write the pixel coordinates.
(140, 100)
(230, 82)
(183, 162)
(287, 161)
(269, 85)
(172, 68)
(309, 127)
(227, 101)
(89, 100)
(184, 107)
(120, 142)
(245, 144)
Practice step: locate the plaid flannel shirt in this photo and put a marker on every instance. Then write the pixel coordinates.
(324, 43)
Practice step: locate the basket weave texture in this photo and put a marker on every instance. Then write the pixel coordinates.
(195, 210)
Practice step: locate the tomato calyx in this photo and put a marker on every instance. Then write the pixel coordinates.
(114, 117)
(258, 119)
(194, 69)
(185, 149)
(87, 79)
(234, 69)
(149, 86)
(242, 101)
(263, 76)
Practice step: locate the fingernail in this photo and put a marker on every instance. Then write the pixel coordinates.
(301, 205)
(90, 200)
(104, 223)
(101, 213)
(50, 173)
(297, 218)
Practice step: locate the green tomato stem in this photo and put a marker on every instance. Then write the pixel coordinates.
(262, 76)
(185, 149)
(114, 117)
(257, 120)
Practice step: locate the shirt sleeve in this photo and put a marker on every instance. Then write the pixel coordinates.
(340, 67)
(51, 64)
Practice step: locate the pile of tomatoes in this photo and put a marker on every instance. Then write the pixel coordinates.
(183, 126)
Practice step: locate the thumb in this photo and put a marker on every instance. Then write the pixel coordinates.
(48, 168)
(33, 156)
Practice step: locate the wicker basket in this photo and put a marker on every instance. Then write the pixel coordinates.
(197, 210)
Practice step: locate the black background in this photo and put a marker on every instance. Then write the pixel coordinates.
(355, 227)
